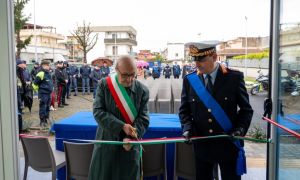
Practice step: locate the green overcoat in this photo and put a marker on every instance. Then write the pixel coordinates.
(112, 162)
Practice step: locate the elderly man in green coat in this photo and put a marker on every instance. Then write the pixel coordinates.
(120, 109)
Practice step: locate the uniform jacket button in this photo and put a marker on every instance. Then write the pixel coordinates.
(226, 98)
(193, 99)
(210, 131)
(209, 110)
(210, 120)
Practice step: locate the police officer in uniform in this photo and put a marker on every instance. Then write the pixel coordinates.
(155, 71)
(96, 76)
(176, 70)
(227, 88)
(74, 72)
(43, 83)
(61, 81)
(167, 71)
(85, 71)
(105, 70)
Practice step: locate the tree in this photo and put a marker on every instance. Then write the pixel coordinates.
(20, 21)
(83, 36)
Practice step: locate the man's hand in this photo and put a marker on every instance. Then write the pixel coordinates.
(127, 147)
(130, 131)
(187, 136)
(237, 132)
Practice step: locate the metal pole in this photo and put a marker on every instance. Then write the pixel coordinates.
(246, 47)
(73, 51)
(273, 146)
(115, 48)
(9, 159)
(35, 40)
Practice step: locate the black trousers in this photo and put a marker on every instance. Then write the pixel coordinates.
(63, 95)
(204, 170)
(45, 101)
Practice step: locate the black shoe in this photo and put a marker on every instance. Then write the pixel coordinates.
(68, 97)
(75, 94)
(60, 106)
(65, 104)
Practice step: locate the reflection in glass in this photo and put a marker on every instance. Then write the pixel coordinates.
(289, 88)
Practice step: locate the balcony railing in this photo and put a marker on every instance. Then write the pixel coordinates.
(120, 41)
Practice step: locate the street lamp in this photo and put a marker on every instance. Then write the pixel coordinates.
(199, 34)
(34, 30)
(246, 47)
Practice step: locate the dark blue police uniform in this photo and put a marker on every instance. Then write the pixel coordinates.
(230, 93)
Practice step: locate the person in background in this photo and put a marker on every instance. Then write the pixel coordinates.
(85, 71)
(61, 82)
(176, 70)
(66, 71)
(185, 70)
(156, 71)
(111, 162)
(20, 90)
(96, 76)
(43, 84)
(28, 80)
(36, 68)
(167, 71)
(54, 92)
(105, 70)
(146, 72)
(73, 79)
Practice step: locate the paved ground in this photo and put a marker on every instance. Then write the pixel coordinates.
(256, 152)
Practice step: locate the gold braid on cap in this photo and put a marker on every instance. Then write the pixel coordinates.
(194, 51)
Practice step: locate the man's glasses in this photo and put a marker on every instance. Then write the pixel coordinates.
(126, 75)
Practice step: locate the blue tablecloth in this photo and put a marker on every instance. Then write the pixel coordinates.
(83, 126)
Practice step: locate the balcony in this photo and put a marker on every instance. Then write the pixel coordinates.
(126, 41)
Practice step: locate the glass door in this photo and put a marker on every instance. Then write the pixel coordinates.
(288, 87)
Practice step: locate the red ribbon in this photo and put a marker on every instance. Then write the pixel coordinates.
(282, 127)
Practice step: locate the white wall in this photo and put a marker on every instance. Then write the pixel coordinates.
(122, 50)
(174, 49)
(122, 35)
(28, 54)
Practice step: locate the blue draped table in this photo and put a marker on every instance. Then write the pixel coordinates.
(83, 126)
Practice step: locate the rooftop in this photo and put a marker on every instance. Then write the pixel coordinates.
(128, 29)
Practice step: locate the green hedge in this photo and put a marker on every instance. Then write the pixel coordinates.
(261, 55)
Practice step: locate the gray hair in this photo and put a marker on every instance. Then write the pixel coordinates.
(126, 59)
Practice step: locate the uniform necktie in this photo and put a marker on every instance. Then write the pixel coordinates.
(209, 85)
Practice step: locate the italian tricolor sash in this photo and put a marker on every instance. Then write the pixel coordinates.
(122, 99)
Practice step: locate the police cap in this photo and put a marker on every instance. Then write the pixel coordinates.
(199, 50)
(45, 62)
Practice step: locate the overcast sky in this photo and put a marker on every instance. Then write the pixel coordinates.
(160, 21)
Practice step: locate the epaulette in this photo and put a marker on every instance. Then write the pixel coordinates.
(233, 69)
(191, 73)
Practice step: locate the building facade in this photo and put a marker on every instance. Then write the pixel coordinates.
(75, 49)
(118, 40)
(146, 55)
(175, 51)
(45, 42)
(238, 46)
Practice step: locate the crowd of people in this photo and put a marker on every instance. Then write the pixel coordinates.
(53, 85)
(167, 71)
